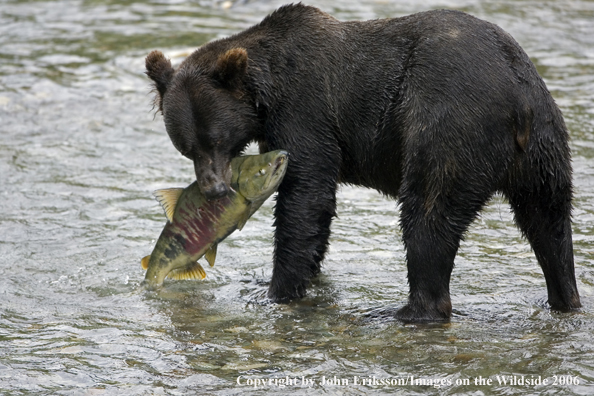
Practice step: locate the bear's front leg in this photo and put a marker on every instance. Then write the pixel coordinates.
(305, 206)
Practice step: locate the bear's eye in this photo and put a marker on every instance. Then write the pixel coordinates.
(262, 172)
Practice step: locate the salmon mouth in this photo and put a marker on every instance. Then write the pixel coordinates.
(279, 161)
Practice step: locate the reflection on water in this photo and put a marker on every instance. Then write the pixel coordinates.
(81, 150)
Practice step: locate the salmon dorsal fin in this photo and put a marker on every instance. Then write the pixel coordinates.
(190, 271)
(168, 199)
(145, 262)
(211, 255)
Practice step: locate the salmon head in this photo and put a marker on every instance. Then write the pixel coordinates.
(258, 176)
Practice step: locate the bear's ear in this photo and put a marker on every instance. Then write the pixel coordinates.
(160, 71)
(231, 67)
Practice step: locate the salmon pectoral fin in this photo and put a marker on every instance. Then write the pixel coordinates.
(190, 271)
(211, 255)
(244, 217)
(145, 262)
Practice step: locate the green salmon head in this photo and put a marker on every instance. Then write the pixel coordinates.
(256, 177)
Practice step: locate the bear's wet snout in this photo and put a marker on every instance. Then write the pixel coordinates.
(213, 178)
(216, 191)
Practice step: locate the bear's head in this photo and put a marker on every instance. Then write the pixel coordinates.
(207, 112)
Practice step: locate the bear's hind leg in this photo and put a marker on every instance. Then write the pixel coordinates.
(543, 216)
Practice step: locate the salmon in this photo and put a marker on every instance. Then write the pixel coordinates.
(196, 225)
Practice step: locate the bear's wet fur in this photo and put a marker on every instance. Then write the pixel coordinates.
(439, 110)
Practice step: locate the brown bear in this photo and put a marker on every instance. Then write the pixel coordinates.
(439, 110)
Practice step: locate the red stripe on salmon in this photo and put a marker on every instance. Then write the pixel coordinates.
(199, 224)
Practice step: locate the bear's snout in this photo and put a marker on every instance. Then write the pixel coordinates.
(212, 180)
(215, 191)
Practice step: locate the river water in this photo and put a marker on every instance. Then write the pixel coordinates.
(81, 150)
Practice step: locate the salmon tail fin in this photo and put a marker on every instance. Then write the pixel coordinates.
(190, 271)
